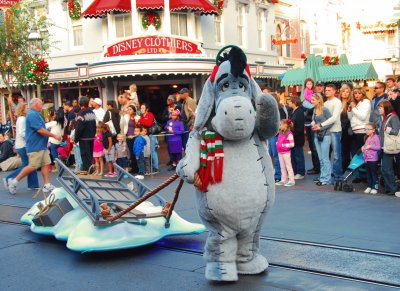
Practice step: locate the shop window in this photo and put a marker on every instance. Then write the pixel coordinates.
(218, 29)
(260, 28)
(241, 24)
(123, 25)
(179, 24)
(197, 22)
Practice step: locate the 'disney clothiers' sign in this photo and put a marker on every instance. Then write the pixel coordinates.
(152, 45)
(7, 3)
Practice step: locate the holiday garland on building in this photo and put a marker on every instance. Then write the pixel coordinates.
(219, 4)
(151, 19)
(37, 71)
(74, 9)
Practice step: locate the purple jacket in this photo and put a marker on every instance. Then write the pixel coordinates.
(371, 154)
(175, 141)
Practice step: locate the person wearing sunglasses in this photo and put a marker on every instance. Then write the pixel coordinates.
(379, 96)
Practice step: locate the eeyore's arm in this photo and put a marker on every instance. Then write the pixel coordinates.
(190, 163)
(267, 121)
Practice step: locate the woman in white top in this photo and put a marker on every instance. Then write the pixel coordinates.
(358, 113)
(56, 127)
(33, 182)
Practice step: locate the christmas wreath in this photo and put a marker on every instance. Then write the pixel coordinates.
(37, 71)
(151, 19)
(219, 4)
(74, 9)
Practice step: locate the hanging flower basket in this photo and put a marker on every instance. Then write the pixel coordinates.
(74, 9)
(37, 71)
(151, 19)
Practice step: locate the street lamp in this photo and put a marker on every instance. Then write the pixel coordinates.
(394, 61)
(35, 48)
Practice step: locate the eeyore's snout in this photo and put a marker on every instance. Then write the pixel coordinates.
(235, 118)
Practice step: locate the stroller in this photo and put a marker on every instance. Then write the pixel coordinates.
(356, 163)
(64, 152)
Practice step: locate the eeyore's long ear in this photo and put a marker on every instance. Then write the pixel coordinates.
(205, 106)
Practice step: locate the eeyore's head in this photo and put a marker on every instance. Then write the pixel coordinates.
(227, 101)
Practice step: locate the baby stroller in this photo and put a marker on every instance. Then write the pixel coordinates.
(356, 163)
(64, 152)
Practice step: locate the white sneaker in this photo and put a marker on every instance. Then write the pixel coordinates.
(12, 186)
(373, 191)
(397, 194)
(5, 181)
(139, 177)
(368, 190)
(48, 188)
(298, 177)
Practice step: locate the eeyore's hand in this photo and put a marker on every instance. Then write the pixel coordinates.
(267, 121)
(190, 163)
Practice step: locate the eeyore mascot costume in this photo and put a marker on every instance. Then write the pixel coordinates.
(227, 160)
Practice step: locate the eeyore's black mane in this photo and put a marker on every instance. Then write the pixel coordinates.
(237, 58)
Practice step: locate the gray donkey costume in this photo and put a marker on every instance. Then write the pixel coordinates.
(233, 106)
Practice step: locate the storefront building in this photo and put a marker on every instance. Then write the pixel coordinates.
(160, 45)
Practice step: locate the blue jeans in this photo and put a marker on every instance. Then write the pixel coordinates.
(274, 154)
(323, 154)
(298, 162)
(140, 163)
(78, 159)
(154, 152)
(32, 180)
(337, 167)
(53, 150)
(388, 173)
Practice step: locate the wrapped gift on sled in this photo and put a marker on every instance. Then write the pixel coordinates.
(51, 213)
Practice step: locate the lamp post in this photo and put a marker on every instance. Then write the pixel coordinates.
(35, 48)
(394, 61)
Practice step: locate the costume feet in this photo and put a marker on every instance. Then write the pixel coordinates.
(257, 265)
(219, 271)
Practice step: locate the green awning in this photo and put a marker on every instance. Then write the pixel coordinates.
(354, 72)
(294, 77)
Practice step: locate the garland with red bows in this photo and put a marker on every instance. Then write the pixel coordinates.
(74, 9)
(151, 19)
(37, 71)
(219, 4)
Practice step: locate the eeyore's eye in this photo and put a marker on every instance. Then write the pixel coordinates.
(225, 87)
(242, 87)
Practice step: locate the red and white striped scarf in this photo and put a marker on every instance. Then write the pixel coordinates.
(211, 152)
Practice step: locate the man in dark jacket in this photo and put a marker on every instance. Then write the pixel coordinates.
(297, 118)
(85, 130)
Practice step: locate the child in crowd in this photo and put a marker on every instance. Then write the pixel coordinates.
(76, 149)
(146, 152)
(138, 149)
(283, 145)
(175, 127)
(109, 151)
(121, 152)
(371, 150)
(56, 127)
(308, 92)
(98, 150)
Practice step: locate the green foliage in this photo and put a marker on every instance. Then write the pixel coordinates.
(14, 45)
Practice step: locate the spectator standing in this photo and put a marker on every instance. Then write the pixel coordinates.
(109, 150)
(69, 116)
(189, 107)
(379, 96)
(297, 119)
(390, 84)
(138, 149)
(112, 114)
(394, 99)
(121, 153)
(36, 137)
(146, 152)
(371, 150)
(347, 134)
(85, 130)
(130, 137)
(283, 145)
(56, 127)
(167, 113)
(175, 128)
(322, 138)
(391, 125)
(98, 150)
(20, 143)
(98, 110)
(147, 120)
(334, 105)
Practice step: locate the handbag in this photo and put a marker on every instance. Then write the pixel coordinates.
(321, 135)
(391, 143)
(155, 128)
(110, 125)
